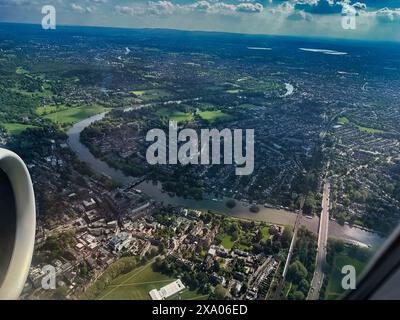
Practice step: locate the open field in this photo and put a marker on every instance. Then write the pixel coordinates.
(74, 115)
(47, 109)
(20, 70)
(343, 120)
(212, 116)
(16, 128)
(227, 242)
(334, 289)
(174, 115)
(136, 285)
(233, 91)
(369, 130)
(151, 94)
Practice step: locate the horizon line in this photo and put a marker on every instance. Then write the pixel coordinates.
(308, 37)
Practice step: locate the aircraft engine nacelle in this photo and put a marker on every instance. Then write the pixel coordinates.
(17, 224)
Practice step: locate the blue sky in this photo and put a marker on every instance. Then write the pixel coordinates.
(375, 19)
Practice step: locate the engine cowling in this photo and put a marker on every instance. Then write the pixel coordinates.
(17, 224)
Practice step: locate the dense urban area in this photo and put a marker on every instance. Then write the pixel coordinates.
(327, 134)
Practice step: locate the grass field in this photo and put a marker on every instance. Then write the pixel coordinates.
(138, 93)
(265, 233)
(343, 120)
(136, 285)
(227, 242)
(233, 91)
(334, 289)
(152, 94)
(74, 115)
(45, 110)
(175, 115)
(20, 70)
(369, 130)
(212, 116)
(16, 128)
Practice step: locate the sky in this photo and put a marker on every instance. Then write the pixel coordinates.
(374, 19)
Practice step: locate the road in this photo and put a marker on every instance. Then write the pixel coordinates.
(318, 277)
(290, 253)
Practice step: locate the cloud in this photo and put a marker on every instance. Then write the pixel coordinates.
(15, 2)
(319, 6)
(202, 5)
(300, 15)
(375, 18)
(163, 8)
(386, 15)
(126, 10)
(80, 9)
(250, 7)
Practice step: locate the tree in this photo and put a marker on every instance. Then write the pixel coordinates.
(296, 272)
(309, 204)
(258, 237)
(217, 266)
(298, 295)
(231, 203)
(161, 248)
(286, 238)
(235, 236)
(254, 209)
(220, 292)
(304, 286)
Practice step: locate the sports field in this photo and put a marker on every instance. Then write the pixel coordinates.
(136, 285)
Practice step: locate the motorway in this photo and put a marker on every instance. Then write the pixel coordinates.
(318, 277)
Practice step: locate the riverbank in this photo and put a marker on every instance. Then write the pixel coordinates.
(241, 210)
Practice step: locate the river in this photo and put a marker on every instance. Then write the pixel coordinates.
(241, 210)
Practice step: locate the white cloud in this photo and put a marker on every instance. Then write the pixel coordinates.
(126, 10)
(161, 7)
(387, 15)
(300, 15)
(250, 7)
(82, 9)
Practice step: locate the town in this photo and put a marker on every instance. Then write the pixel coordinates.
(192, 150)
(326, 138)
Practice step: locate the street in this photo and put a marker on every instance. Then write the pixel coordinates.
(290, 253)
(318, 277)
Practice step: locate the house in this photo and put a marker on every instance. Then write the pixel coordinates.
(120, 242)
(89, 204)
